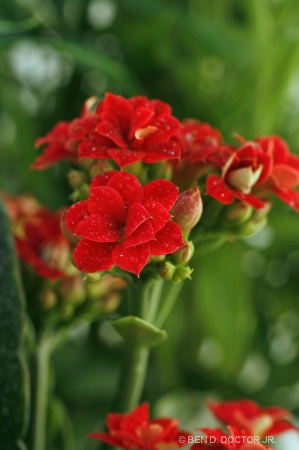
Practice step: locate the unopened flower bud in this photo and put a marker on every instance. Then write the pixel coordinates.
(167, 270)
(183, 254)
(188, 209)
(48, 298)
(99, 167)
(110, 302)
(76, 179)
(238, 213)
(181, 273)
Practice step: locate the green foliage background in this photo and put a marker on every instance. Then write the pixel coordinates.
(235, 64)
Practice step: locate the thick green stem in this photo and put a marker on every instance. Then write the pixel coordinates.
(41, 394)
(132, 378)
(146, 298)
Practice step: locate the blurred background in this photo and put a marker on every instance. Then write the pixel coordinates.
(235, 328)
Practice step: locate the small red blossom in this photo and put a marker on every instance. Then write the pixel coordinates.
(285, 172)
(247, 167)
(123, 223)
(258, 168)
(202, 144)
(38, 237)
(135, 431)
(63, 140)
(202, 150)
(130, 130)
(249, 417)
(217, 439)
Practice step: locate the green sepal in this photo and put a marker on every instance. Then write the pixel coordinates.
(136, 331)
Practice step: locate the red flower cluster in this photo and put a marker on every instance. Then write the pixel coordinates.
(39, 240)
(135, 431)
(138, 129)
(250, 426)
(124, 130)
(123, 223)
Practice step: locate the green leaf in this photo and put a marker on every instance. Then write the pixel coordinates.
(224, 307)
(13, 371)
(92, 58)
(136, 331)
(7, 27)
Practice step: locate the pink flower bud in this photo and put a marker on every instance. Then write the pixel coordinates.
(187, 209)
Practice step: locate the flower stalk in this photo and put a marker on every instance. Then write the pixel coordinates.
(42, 361)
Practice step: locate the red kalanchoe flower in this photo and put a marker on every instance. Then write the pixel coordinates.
(258, 168)
(63, 140)
(123, 223)
(249, 417)
(130, 130)
(247, 168)
(285, 172)
(202, 144)
(217, 439)
(202, 150)
(135, 431)
(38, 237)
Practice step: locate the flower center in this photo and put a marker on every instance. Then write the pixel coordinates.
(244, 179)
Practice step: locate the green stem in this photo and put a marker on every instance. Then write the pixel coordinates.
(132, 378)
(146, 298)
(168, 303)
(41, 394)
(154, 300)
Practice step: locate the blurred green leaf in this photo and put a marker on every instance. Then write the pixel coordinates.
(223, 304)
(92, 58)
(8, 28)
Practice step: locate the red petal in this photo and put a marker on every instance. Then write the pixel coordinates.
(75, 214)
(284, 175)
(288, 196)
(131, 259)
(167, 241)
(168, 150)
(107, 202)
(102, 180)
(138, 417)
(117, 111)
(93, 257)
(112, 132)
(141, 118)
(135, 216)
(99, 228)
(167, 126)
(142, 234)
(161, 191)
(252, 200)
(217, 189)
(124, 157)
(128, 187)
(159, 215)
(94, 148)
